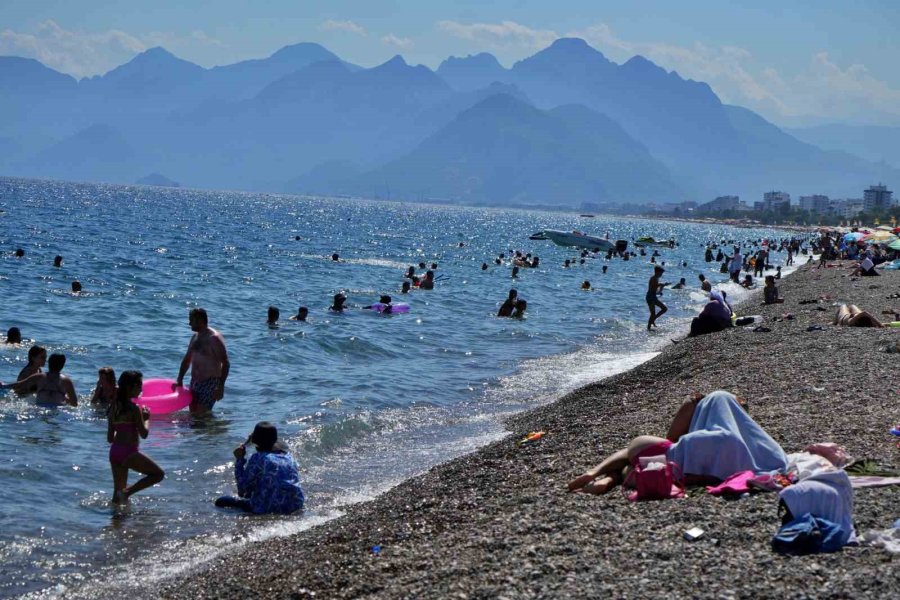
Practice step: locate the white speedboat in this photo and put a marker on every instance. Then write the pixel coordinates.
(575, 238)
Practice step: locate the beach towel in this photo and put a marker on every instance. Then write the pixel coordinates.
(724, 440)
(738, 483)
(826, 494)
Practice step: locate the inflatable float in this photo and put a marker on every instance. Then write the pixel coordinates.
(157, 395)
(395, 308)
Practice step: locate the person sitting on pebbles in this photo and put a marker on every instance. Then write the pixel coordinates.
(850, 315)
(711, 438)
(270, 481)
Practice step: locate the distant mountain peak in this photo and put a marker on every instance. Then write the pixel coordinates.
(639, 63)
(397, 62)
(568, 51)
(574, 47)
(482, 59)
(304, 51)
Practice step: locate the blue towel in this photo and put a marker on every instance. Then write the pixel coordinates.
(724, 440)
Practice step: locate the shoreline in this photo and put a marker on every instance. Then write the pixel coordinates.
(498, 521)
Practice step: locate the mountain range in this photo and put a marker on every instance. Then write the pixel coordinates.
(563, 127)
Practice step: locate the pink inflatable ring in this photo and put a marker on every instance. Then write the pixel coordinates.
(157, 395)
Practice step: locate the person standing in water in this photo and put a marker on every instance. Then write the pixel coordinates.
(127, 423)
(208, 359)
(654, 286)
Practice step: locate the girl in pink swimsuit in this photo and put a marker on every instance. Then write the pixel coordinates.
(127, 423)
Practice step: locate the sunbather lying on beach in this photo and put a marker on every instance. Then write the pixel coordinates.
(710, 438)
(849, 315)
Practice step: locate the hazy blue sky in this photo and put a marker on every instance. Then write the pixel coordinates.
(791, 60)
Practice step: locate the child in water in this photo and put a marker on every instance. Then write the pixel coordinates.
(270, 481)
(127, 421)
(105, 392)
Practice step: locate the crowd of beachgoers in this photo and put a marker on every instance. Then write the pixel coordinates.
(712, 439)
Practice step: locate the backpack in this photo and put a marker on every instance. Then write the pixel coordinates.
(807, 534)
(654, 478)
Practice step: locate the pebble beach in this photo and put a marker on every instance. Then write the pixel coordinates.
(498, 523)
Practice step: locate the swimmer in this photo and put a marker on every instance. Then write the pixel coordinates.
(519, 313)
(338, 305)
(207, 358)
(127, 423)
(76, 287)
(272, 316)
(535, 262)
(37, 358)
(747, 282)
(51, 387)
(506, 309)
(19, 253)
(421, 265)
(434, 266)
(405, 287)
(335, 257)
(428, 282)
(605, 268)
(498, 261)
(515, 272)
(484, 267)
(301, 315)
(105, 391)
(567, 263)
(410, 273)
(680, 285)
(13, 336)
(57, 261)
(586, 285)
(385, 301)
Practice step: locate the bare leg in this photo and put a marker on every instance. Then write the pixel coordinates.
(662, 311)
(143, 464)
(120, 482)
(653, 315)
(609, 473)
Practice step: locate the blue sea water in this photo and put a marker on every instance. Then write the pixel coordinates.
(364, 400)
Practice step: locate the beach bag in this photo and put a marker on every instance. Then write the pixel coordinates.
(808, 535)
(654, 478)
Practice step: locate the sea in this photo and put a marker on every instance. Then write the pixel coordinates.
(364, 400)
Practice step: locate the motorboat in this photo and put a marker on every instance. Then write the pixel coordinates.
(576, 238)
(649, 241)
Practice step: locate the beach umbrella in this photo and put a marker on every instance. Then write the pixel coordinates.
(895, 245)
(885, 228)
(853, 236)
(896, 230)
(880, 237)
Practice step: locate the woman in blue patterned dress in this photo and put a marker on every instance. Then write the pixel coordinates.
(269, 482)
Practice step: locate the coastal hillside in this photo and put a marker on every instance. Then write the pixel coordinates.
(273, 123)
(503, 150)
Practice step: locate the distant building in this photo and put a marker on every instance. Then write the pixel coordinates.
(846, 209)
(877, 197)
(815, 204)
(774, 201)
(723, 204)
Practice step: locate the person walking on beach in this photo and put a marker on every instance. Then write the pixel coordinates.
(127, 423)
(654, 286)
(208, 359)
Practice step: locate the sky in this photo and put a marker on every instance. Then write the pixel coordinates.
(796, 62)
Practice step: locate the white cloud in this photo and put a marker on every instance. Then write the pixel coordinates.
(83, 54)
(348, 26)
(398, 42)
(504, 34)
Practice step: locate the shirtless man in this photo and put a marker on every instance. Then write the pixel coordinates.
(52, 387)
(654, 286)
(208, 360)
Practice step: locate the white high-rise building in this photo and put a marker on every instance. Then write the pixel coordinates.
(816, 203)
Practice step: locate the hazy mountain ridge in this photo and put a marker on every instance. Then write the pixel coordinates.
(598, 131)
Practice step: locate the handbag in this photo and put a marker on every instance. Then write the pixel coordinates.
(654, 478)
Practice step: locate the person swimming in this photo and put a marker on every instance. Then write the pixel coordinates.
(506, 309)
(586, 285)
(272, 315)
(301, 315)
(105, 390)
(338, 305)
(385, 302)
(13, 336)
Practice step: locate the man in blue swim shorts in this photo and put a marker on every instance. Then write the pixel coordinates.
(208, 359)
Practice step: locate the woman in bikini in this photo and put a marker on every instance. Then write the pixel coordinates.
(126, 422)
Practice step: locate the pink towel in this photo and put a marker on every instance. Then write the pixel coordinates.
(735, 484)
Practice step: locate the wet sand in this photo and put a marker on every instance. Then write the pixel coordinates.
(498, 523)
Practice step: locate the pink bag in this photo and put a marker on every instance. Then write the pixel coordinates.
(654, 478)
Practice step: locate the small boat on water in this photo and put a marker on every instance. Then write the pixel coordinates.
(579, 239)
(649, 241)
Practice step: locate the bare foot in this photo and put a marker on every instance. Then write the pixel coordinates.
(120, 497)
(599, 486)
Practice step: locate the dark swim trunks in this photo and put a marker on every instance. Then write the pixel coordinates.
(204, 392)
